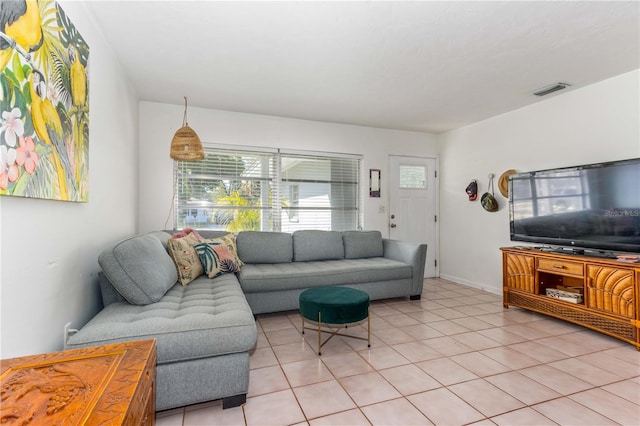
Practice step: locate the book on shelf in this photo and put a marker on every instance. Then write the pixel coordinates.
(628, 258)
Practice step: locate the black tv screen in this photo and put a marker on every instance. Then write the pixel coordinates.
(595, 206)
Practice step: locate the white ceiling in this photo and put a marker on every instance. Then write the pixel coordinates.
(423, 66)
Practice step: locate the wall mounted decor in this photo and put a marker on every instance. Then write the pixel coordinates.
(503, 182)
(374, 183)
(44, 127)
(488, 200)
(472, 190)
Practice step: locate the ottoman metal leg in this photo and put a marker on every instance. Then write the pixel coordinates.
(319, 333)
(368, 329)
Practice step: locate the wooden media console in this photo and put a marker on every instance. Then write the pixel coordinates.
(598, 293)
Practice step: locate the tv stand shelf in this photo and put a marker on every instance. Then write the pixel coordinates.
(609, 289)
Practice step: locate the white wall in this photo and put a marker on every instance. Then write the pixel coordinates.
(50, 248)
(594, 124)
(158, 123)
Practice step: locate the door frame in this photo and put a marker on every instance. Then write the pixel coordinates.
(436, 158)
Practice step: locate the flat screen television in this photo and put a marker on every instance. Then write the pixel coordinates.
(592, 209)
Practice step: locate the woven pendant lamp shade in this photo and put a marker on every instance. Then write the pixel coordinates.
(186, 145)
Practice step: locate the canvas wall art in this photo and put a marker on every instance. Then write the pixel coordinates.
(44, 127)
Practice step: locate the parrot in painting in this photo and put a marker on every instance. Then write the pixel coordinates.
(20, 20)
(78, 79)
(48, 127)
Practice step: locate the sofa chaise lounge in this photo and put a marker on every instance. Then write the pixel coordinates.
(205, 330)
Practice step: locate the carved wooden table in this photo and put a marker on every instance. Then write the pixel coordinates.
(100, 385)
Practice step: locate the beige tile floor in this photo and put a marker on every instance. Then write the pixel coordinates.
(456, 357)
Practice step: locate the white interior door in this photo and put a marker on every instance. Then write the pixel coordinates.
(412, 205)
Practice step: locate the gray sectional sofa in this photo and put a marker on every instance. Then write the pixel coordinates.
(205, 331)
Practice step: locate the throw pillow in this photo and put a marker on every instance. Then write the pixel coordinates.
(216, 257)
(228, 240)
(185, 257)
(187, 231)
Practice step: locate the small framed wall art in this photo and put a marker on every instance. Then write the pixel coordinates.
(374, 183)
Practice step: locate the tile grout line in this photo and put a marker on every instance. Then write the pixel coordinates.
(513, 317)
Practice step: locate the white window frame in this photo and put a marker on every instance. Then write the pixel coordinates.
(276, 209)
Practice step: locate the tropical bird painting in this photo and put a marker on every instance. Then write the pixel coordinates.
(44, 107)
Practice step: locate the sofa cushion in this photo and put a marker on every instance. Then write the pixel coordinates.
(187, 262)
(300, 275)
(208, 234)
(216, 257)
(309, 245)
(362, 244)
(264, 247)
(140, 268)
(188, 323)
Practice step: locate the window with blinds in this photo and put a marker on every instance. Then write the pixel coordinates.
(270, 190)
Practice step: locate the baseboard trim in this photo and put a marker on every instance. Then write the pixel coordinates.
(473, 284)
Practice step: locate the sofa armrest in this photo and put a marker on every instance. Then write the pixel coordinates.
(412, 253)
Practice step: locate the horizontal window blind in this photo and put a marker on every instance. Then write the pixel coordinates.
(325, 189)
(229, 190)
(239, 190)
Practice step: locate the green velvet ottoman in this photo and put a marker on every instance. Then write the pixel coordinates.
(334, 306)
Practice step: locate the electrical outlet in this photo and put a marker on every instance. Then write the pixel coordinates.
(68, 331)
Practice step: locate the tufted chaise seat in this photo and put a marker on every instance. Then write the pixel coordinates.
(203, 331)
(215, 318)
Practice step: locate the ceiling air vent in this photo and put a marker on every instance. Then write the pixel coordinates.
(550, 89)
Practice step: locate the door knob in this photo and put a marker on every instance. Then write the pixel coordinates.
(393, 225)
(393, 216)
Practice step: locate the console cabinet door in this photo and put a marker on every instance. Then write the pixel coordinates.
(519, 272)
(611, 290)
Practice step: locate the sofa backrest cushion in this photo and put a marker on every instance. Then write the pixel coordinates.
(309, 245)
(264, 247)
(209, 234)
(362, 244)
(140, 268)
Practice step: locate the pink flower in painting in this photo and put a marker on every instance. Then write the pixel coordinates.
(26, 155)
(9, 172)
(12, 126)
(52, 93)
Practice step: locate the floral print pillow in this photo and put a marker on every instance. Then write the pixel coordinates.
(230, 241)
(216, 257)
(185, 257)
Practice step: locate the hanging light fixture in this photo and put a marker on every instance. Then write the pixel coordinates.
(186, 145)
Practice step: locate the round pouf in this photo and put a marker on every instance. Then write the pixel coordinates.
(336, 305)
(333, 305)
